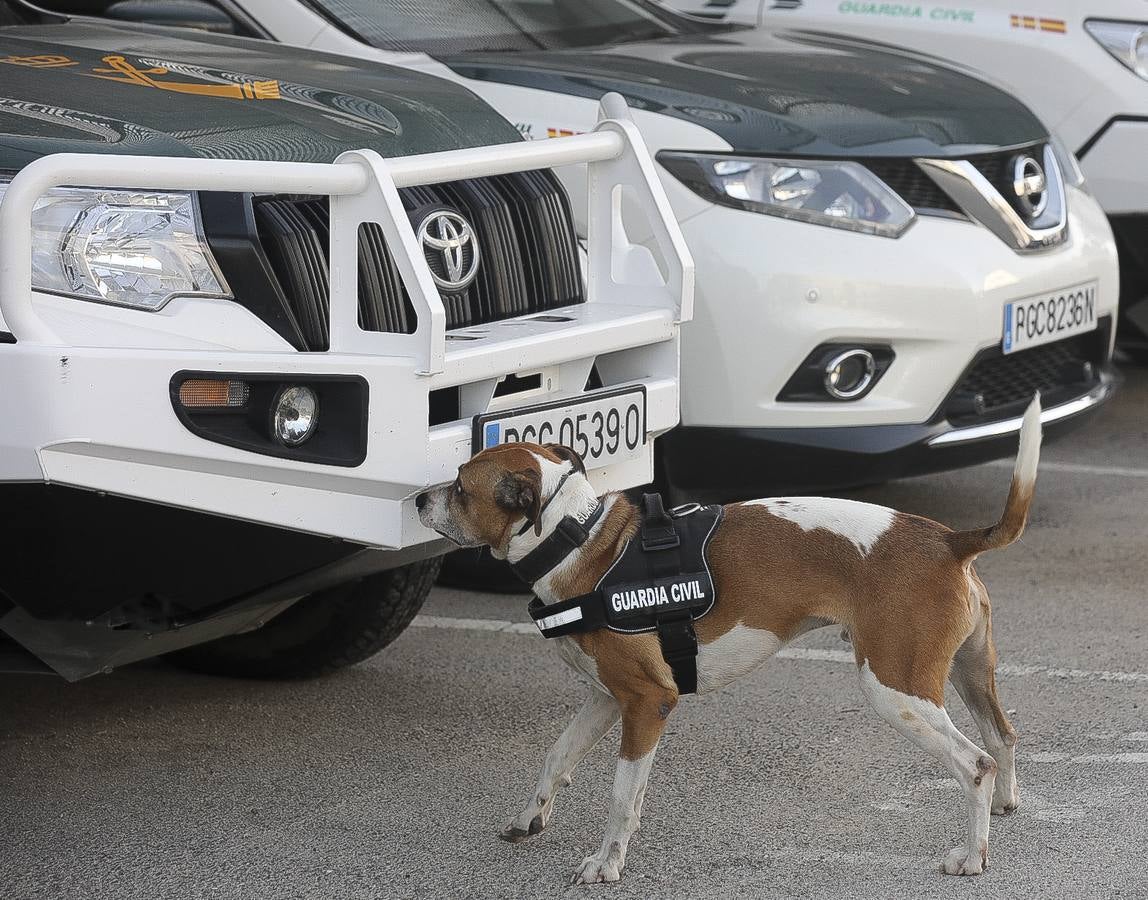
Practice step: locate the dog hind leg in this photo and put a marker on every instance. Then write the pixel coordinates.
(597, 716)
(643, 721)
(928, 726)
(973, 677)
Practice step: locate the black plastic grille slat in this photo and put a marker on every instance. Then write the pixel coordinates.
(557, 232)
(500, 290)
(378, 280)
(298, 256)
(521, 206)
(526, 237)
(912, 184)
(1014, 378)
(1008, 382)
(995, 168)
(922, 193)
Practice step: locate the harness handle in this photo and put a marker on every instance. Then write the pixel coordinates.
(658, 532)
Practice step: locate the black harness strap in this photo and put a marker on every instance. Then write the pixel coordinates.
(568, 536)
(566, 617)
(661, 545)
(680, 649)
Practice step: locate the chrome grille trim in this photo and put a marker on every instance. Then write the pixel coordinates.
(981, 201)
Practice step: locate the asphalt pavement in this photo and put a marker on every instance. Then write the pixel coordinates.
(393, 778)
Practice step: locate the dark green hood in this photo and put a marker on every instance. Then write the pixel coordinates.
(94, 88)
(788, 93)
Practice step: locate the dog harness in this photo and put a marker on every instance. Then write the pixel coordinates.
(661, 582)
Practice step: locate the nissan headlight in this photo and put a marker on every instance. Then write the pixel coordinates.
(1127, 41)
(840, 194)
(128, 248)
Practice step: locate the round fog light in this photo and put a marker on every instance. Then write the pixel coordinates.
(849, 374)
(294, 415)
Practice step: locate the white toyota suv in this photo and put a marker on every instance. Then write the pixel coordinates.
(252, 301)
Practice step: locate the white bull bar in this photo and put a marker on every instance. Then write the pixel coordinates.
(59, 430)
(363, 187)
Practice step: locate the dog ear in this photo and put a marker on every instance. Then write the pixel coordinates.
(564, 452)
(522, 492)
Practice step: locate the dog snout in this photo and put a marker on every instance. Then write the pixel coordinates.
(421, 500)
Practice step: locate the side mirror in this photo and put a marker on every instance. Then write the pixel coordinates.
(197, 14)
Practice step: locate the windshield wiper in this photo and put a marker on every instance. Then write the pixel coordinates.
(635, 37)
(491, 50)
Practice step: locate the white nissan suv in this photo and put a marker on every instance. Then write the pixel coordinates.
(1081, 67)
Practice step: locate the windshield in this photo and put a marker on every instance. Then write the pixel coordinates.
(16, 14)
(454, 26)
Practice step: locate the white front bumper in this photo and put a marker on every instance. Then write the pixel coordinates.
(772, 290)
(103, 419)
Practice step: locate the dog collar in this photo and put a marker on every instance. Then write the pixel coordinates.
(529, 523)
(567, 536)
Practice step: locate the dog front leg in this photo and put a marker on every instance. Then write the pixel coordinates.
(597, 716)
(643, 721)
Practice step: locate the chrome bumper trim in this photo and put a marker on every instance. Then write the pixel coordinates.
(1095, 397)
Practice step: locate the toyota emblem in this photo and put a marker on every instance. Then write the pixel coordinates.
(450, 248)
(1030, 185)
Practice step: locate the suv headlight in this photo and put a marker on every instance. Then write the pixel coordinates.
(129, 248)
(1127, 41)
(839, 194)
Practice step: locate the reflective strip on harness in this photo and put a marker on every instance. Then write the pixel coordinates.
(548, 623)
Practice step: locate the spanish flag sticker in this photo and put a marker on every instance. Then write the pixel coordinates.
(1036, 23)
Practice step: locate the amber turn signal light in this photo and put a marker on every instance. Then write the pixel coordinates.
(214, 393)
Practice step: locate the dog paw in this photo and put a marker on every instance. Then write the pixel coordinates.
(597, 869)
(959, 861)
(1005, 802)
(515, 833)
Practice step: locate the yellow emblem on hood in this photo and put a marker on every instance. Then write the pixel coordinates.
(123, 71)
(42, 61)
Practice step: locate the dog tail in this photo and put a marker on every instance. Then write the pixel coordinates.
(968, 544)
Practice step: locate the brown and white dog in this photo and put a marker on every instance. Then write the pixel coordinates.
(902, 586)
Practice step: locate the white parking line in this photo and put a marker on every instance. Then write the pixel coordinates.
(807, 653)
(1075, 674)
(1055, 756)
(837, 656)
(475, 624)
(1079, 469)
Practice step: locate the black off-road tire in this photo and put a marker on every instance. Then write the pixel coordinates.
(323, 632)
